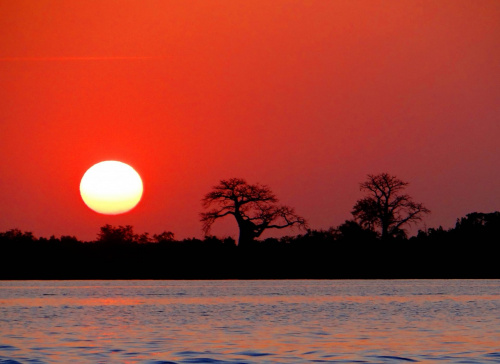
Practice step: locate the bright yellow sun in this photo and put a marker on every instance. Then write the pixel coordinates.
(111, 188)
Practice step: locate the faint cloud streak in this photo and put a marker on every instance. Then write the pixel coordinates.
(65, 59)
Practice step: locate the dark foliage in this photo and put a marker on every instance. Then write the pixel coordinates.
(349, 251)
(254, 207)
(386, 207)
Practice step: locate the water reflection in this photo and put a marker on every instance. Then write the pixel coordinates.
(250, 321)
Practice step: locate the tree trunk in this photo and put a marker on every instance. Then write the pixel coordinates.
(385, 221)
(385, 230)
(247, 233)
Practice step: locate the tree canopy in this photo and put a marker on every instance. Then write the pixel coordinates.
(254, 207)
(386, 207)
(348, 251)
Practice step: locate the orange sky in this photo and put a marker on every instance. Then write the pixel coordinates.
(305, 96)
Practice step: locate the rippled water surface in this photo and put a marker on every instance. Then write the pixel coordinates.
(456, 321)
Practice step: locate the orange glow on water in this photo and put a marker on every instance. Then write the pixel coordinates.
(136, 322)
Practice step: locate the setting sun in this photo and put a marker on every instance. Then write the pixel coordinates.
(111, 188)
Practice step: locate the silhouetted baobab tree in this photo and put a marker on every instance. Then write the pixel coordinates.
(254, 207)
(386, 207)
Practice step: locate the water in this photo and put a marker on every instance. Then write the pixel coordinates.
(456, 321)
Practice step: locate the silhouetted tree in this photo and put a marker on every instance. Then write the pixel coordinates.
(479, 221)
(18, 235)
(467, 250)
(353, 232)
(166, 236)
(68, 239)
(479, 227)
(386, 207)
(254, 207)
(116, 235)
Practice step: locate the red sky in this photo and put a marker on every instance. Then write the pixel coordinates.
(305, 96)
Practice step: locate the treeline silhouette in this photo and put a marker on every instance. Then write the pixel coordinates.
(350, 250)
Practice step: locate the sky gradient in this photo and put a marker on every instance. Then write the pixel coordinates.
(307, 97)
